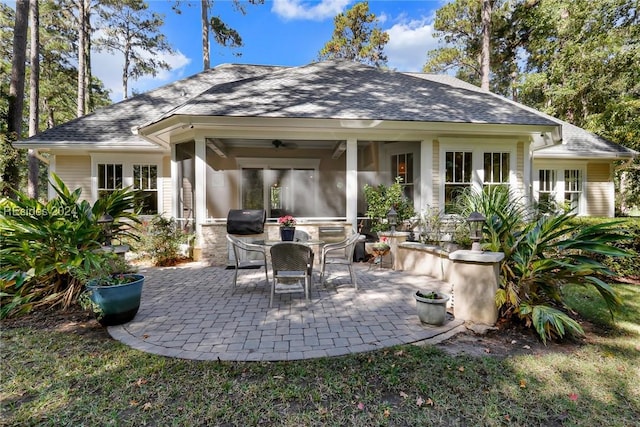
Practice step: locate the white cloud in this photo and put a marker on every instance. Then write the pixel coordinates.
(299, 9)
(408, 44)
(108, 68)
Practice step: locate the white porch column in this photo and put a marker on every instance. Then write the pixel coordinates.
(352, 182)
(426, 174)
(175, 184)
(200, 201)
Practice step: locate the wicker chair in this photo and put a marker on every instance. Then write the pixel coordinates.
(291, 262)
(340, 253)
(240, 246)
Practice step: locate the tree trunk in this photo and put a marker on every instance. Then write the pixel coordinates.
(204, 4)
(34, 95)
(83, 35)
(10, 172)
(125, 73)
(486, 38)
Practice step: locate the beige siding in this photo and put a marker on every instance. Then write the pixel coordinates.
(167, 191)
(600, 192)
(435, 170)
(75, 172)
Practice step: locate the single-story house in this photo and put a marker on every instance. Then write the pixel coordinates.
(304, 141)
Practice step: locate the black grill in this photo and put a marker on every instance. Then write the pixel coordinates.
(246, 221)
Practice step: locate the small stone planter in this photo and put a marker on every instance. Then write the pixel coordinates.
(431, 307)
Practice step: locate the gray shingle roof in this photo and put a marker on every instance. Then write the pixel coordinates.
(350, 90)
(331, 89)
(112, 125)
(576, 142)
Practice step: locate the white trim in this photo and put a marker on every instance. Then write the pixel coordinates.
(200, 196)
(426, 175)
(352, 182)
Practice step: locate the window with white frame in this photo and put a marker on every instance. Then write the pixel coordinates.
(402, 167)
(496, 168)
(145, 178)
(458, 175)
(572, 188)
(109, 178)
(559, 187)
(546, 189)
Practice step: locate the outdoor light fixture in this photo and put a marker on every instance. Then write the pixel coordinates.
(392, 219)
(105, 221)
(476, 222)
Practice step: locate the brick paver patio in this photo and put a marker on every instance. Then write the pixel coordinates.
(193, 312)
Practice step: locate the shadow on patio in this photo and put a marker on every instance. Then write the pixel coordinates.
(193, 312)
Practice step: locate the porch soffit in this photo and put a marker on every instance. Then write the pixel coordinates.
(180, 128)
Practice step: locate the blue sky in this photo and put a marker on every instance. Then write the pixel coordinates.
(279, 32)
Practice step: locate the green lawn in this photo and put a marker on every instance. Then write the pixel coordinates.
(55, 378)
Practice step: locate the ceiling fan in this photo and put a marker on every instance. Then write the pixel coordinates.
(279, 144)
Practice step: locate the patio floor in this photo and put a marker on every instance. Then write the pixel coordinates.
(193, 312)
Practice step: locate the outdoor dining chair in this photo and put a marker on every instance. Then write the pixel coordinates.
(242, 256)
(291, 263)
(340, 253)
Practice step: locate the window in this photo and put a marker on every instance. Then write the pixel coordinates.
(547, 189)
(402, 167)
(458, 168)
(496, 168)
(145, 178)
(559, 188)
(109, 178)
(572, 188)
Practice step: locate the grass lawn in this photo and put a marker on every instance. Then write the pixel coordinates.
(62, 378)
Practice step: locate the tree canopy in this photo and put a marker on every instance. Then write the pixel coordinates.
(357, 37)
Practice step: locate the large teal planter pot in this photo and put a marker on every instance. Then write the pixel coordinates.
(119, 303)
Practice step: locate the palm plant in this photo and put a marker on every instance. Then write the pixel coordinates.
(42, 243)
(542, 256)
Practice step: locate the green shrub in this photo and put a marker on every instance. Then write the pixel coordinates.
(160, 239)
(542, 256)
(381, 198)
(625, 267)
(41, 243)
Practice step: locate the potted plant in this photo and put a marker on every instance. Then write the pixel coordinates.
(431, 307)
(287, 227)
(113, 291)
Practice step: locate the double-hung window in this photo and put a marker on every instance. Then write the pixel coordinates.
(572, 188)
(496, 168)
(145, 178)
(458, 173)
(547, 189)
(109, 178)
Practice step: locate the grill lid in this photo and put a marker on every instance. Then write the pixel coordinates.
(246, 221)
